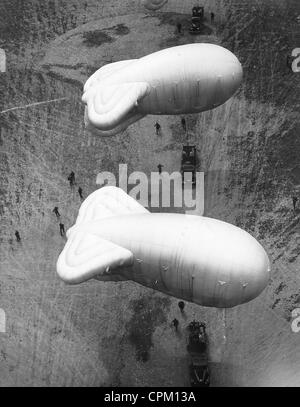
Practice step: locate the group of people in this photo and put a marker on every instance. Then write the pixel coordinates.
(71, 179)
(295, 201)
(61, 225)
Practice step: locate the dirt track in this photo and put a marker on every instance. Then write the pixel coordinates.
(120, 333)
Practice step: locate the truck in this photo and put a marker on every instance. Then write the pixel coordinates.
(197, 19)
(198, 353)
(188, 163)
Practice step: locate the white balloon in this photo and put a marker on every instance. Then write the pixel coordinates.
(2, 321)
(202, 260)
(186, 79)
